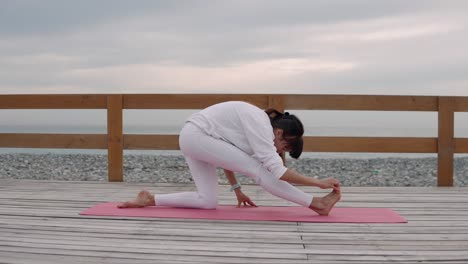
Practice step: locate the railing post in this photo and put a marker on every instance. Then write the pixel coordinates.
(277, 102)
(446, 143)
(115, 137)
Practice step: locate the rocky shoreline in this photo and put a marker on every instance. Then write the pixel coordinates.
(173, 169)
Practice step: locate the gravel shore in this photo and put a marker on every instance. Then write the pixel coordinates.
(172, 168)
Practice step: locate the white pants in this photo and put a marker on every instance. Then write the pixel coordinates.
(204, 154)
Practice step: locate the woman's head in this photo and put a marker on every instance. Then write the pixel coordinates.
(288, 130)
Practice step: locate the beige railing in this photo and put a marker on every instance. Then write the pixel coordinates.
(445, 145)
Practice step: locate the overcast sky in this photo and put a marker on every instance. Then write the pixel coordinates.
(346, 47)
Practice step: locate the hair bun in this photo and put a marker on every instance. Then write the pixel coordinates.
(286, 113)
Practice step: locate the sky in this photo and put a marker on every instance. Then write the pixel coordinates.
(397, 47)
(329, 47)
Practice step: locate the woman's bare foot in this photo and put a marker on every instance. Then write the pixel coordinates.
(323, 206)
(143, 199)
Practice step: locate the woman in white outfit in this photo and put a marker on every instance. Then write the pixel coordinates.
(240, 137)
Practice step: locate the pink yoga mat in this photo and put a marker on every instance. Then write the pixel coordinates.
(261, 213)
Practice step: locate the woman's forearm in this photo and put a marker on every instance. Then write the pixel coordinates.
(230, 177)
(293, 176)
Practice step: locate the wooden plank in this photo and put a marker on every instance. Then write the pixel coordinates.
(42, 258)
(277, 102)
(370, 144)
(115, 137)
(174, 236)
(188, 101)
(312, 144)
(66, 141)
(134, 256)
(361, 102)
(446, 143)
(400, 247)
(383, 257)
(165, 142)
(53, 101)
(306, 237)
(191, 249)
(423, 243)
(161, 229)
(460, 104)
(120, 235)
(461, 145)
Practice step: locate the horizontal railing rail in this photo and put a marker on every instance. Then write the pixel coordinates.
(445, 144)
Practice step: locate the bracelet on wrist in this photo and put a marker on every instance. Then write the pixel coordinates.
(235, 186)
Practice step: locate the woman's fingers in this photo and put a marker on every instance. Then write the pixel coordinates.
(337, 187)
(251, 203)
(246, 202)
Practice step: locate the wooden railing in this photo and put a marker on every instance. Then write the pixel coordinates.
(445, 145)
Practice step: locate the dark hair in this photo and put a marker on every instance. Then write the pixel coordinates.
(292, 130)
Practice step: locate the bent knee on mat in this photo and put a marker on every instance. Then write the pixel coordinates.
(208, 203)
(211, 206)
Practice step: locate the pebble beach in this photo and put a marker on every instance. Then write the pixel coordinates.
(173, 169)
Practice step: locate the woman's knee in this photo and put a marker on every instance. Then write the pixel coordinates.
(208, 202)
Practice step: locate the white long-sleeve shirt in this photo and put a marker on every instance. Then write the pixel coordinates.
(245, 126)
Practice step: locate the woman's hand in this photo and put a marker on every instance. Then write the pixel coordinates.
(243, 199)
(328, 183)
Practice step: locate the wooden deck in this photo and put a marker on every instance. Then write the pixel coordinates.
(39, 223)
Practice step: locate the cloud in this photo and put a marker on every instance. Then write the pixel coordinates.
(172, 77)
(393, 32)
